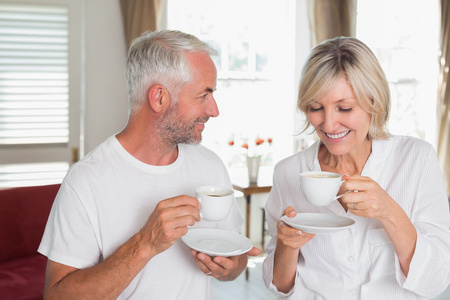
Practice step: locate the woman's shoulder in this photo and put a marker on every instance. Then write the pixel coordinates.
(288, 161)
(304, 159)
(400, 145)
(410, 143)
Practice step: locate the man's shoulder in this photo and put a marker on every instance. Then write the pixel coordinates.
(99, 156)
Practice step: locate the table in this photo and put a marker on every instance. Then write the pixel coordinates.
(239, 179)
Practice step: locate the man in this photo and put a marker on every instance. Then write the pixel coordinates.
(115, 227)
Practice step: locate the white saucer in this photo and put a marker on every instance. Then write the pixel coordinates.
(217, 242)
(318, 223)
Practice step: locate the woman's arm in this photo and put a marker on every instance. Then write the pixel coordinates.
(289, 242)
(371, 201)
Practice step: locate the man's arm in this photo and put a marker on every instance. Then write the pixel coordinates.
(108, 279)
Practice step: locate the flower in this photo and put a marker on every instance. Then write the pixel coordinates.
(243, 147)
(251, 149)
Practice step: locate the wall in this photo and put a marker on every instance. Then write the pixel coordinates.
(106, 91)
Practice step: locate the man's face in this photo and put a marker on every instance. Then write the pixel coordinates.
(185, 119)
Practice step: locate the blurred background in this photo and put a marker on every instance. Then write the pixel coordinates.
(63, 90)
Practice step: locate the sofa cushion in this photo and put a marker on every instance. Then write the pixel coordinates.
(23, 215)
(23, 278)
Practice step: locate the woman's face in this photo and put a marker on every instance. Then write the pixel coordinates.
(340, 122)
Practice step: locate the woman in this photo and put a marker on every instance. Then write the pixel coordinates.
(399, 246)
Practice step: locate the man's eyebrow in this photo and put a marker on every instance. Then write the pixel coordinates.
(210, 90)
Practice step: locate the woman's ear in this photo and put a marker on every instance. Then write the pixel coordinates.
(158, 97)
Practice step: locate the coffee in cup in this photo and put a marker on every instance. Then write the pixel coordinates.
(216, 202)
(320, 188)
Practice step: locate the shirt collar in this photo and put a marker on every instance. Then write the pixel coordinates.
(380, 151)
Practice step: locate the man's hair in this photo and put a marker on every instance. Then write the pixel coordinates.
(158, 57)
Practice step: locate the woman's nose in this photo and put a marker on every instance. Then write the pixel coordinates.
(330, 121)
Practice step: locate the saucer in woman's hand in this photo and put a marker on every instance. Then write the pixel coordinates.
(318, 223)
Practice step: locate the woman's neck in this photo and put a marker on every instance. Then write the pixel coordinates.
(349, 164)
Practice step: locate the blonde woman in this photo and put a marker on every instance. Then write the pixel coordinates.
(399, 245)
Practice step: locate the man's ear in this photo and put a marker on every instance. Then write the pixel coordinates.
(158, 98)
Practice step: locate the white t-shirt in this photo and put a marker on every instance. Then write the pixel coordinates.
(360, 262)
(108, 196)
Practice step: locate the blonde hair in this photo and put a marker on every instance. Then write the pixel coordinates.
(349, 57)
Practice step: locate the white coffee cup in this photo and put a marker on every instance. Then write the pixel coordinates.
(216, 202)
(320, 188)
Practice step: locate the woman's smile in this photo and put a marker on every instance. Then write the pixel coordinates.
(337, 135)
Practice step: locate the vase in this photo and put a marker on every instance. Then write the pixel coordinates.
(253, 168)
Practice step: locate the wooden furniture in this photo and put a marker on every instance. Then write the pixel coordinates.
(248, 191)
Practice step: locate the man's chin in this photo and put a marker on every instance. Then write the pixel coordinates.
(196, 141)
(192, 140)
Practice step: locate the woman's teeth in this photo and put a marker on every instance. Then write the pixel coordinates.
(337, 136)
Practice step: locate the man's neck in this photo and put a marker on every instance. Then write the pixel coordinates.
(149, 149)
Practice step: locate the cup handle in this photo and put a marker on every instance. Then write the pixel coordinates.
(201, 215)
(337, 197)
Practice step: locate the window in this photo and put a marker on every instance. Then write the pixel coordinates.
(34, 61)
(263, 48)
(256, 86)
(406, 42)
(40, 89)
(13, 175)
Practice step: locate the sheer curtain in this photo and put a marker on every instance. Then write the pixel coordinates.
(140, 16)
(331, 18)
(443, 147)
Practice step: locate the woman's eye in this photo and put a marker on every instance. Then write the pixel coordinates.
(345, 109)
(314, 109)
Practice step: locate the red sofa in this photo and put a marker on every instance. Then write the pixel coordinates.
(23, 216)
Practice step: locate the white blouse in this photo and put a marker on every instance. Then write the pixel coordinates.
(360, 262)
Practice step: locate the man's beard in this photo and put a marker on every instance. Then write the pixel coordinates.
(173, 131)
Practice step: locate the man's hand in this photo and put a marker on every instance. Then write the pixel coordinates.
(169, 222)
(223, 268)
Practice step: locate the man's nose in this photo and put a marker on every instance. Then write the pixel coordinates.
(213, 109)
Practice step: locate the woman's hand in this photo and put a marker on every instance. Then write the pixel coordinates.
(367, 198)
(371, 201)
(289, 242)
(289, 236)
